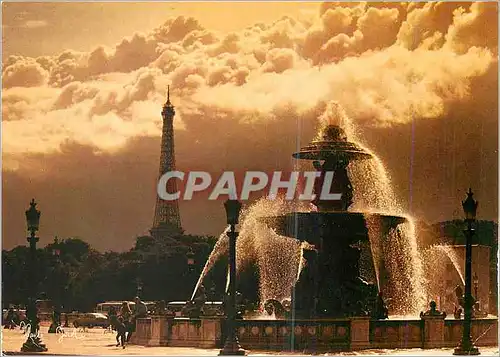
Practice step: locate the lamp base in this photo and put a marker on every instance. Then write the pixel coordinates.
(53, 328)
(33, 344)
(469, 350)
(232, 348)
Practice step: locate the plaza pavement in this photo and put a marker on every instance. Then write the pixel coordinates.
(98, 342)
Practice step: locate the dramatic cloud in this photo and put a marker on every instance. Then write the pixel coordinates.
(248, 99)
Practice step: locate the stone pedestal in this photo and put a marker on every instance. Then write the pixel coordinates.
(360, 333)
(211, 333)
(159, 331)
(433, 332)
(142, 333)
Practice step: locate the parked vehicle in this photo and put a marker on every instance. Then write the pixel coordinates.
(104, 307)
(91, 319)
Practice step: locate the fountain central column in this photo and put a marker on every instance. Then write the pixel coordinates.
(330, 284)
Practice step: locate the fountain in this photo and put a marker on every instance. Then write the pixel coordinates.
(332, 274)
(330, 284)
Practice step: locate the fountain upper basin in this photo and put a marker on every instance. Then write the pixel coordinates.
(311, 226)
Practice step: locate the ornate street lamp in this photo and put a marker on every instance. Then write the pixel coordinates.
(34, 342)
(232, 346)
(466, 346)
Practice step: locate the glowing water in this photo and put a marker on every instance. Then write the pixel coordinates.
(437, 264)
(219, 250)
(277, 257)
(452, 255)
(374, 230)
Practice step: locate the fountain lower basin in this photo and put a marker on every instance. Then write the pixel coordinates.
(330, 284)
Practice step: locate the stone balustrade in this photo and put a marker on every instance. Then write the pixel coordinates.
(314, 335)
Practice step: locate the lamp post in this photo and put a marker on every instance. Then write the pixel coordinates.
(475, 281)
(56, 315)
(34, 342)
(232, 346)
(190, 265)
(466, 346)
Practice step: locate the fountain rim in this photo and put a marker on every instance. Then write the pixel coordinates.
(324, 149)
(350, 213)
(316, 154)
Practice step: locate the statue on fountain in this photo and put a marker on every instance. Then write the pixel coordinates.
(433, 311)
(380, 311)
(194, 308)
(340, 184)
(459, 293)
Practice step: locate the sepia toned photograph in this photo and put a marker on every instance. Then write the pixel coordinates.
(249, 178)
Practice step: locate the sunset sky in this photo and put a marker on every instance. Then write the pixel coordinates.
(83, 86)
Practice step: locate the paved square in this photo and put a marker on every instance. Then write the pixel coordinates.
(98, 342)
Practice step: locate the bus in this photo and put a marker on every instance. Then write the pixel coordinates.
(104, 307)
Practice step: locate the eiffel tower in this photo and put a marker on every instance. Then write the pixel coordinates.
(167, 220)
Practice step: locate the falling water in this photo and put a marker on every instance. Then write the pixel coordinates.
(220, 249)
(452, 255)
(439, 260)
(406, 271)
(277, 257)
(372, 192)
(373, 225)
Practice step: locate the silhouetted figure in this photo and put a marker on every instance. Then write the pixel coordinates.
(160, 308)
(121, 330)
(113, 317)
(459, 293)
(381, 311)
(201, 296)
(9, 319)
(126, 315)
(340, 184)
(433, 311)
(140, 311)
(194, 308)
(273, 306)
(56, 321)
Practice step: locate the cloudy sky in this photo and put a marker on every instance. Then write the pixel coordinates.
(83, 86)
